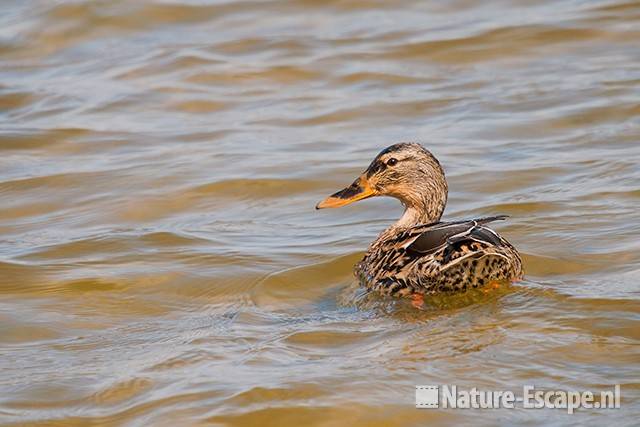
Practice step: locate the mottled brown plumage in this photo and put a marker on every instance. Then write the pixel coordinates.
(420, 254)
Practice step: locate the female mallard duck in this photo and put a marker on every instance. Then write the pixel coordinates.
(419, 254)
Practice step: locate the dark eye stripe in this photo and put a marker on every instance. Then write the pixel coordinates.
(375, 167)
(378, 165)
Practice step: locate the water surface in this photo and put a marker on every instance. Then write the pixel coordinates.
(160, 258)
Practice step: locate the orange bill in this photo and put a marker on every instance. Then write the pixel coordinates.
(359, 190)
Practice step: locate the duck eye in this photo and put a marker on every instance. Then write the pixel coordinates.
(392, 161)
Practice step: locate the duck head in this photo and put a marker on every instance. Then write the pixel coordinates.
(405, 171)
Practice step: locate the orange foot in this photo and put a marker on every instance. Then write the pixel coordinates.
(493, 285)
(417, 300)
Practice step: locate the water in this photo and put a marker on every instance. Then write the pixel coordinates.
(160, 258)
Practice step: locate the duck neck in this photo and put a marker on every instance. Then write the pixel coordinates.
(420, 209)
(413, 215)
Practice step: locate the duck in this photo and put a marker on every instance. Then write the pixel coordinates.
(419, 254)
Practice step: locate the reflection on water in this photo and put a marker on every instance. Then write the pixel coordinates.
(160, 257)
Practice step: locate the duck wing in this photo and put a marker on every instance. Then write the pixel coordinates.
(432, 237)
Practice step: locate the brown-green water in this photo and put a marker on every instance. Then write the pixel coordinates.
(161, 261)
